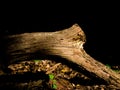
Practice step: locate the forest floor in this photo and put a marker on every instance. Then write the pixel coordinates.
(50, 75)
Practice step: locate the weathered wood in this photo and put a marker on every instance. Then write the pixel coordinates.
(67, 43)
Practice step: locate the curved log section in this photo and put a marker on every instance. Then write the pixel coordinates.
(67, 43)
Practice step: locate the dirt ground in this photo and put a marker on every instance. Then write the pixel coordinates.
(50, 75)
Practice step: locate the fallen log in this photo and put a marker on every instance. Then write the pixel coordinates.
(67, 43)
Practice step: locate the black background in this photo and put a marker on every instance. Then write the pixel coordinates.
(100, 22)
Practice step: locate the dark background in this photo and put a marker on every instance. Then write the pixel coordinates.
(99, 22)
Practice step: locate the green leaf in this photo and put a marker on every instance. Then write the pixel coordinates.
(117, 71)
(108, 65)
(51, 76)
(54, 81)
(54, 86)
(36, 61)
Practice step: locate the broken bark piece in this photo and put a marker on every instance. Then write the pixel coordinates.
(67, 43)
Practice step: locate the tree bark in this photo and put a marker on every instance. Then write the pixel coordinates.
(67, 43)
